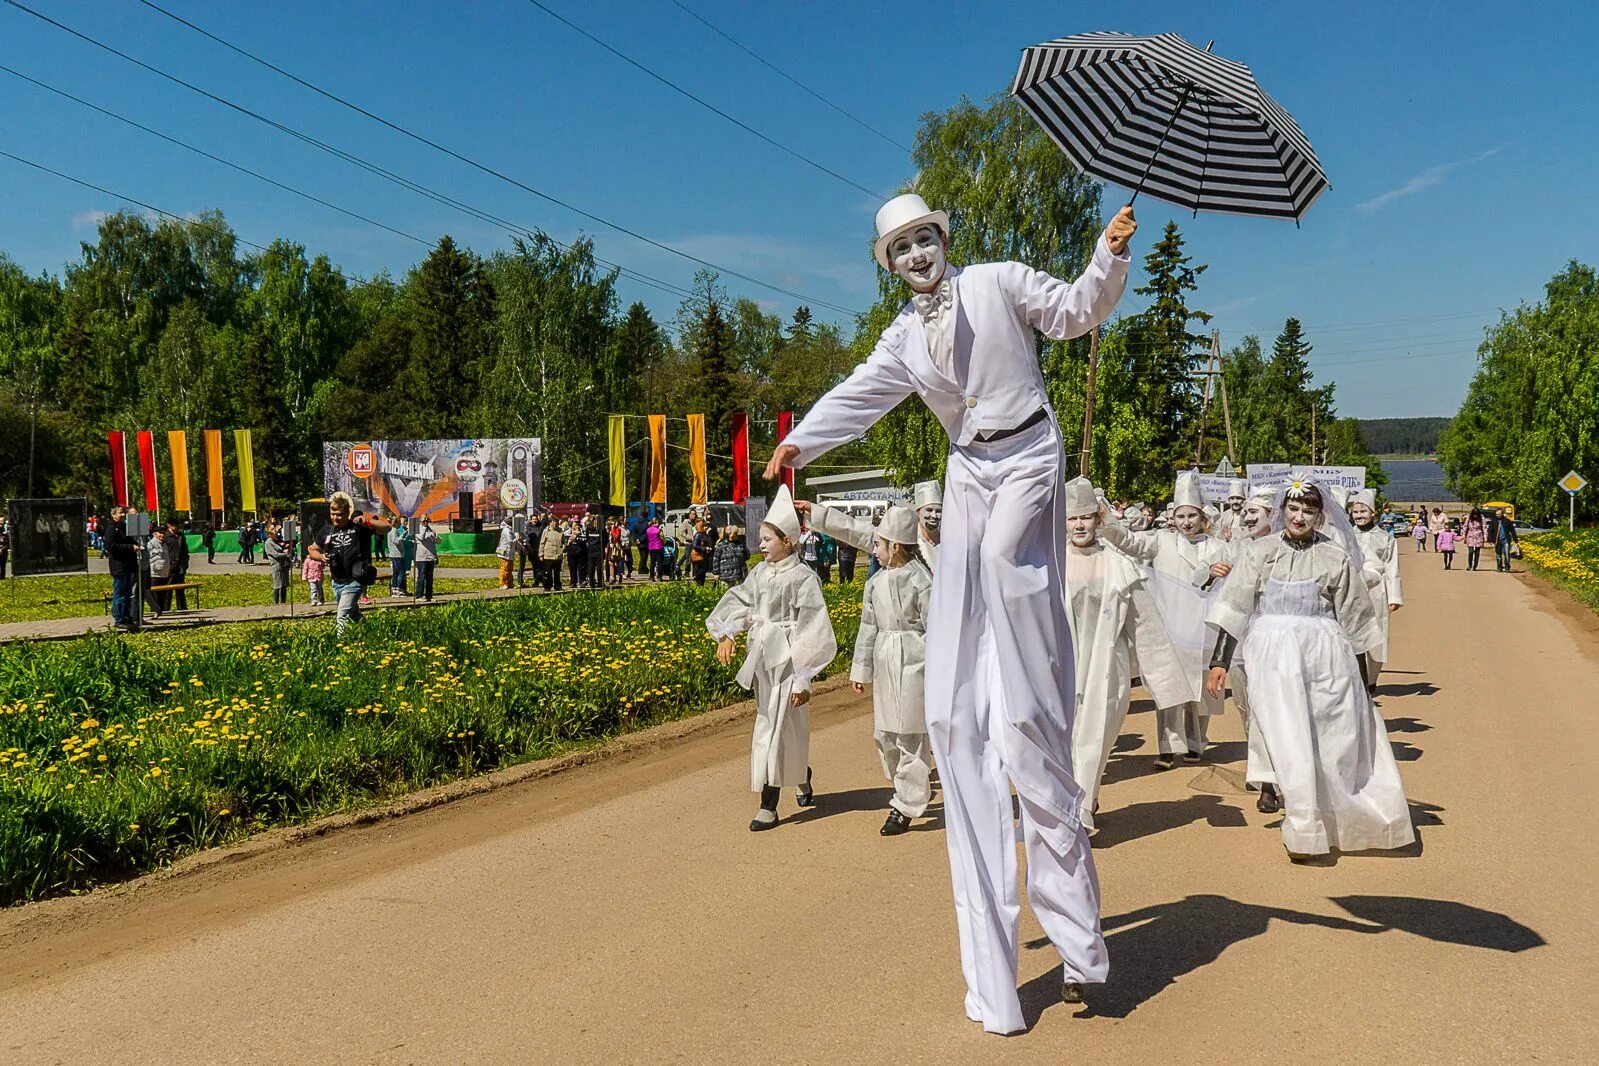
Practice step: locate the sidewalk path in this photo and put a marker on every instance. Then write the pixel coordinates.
(623, 913)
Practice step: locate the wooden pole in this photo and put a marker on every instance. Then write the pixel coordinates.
(1226, 413)
(1204, 410)
(1313, 432)
(1088, 402)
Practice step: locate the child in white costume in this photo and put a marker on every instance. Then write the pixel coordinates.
(1381, 553)
(859, 531)
(891, 656)
(1256, 523)
(1196, 562)
(790, 641)
(1112, 615)
(1299, 602)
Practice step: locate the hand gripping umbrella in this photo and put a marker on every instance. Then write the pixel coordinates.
(1157, 114)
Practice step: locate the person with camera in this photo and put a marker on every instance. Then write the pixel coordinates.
(345, 546)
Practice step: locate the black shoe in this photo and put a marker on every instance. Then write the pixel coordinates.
(1269, 802)
(1165, 762)
(1192, 756)
(897, 823)
(803, 795)
(759, 824)
(1071, 992)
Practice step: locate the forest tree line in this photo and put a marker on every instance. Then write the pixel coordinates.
(174, 324)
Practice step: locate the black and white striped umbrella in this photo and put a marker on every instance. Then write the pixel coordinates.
(1157, 114)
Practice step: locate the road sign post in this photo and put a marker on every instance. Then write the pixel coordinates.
(1573, 483)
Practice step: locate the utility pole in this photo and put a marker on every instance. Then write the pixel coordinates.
(1226, 413)
(1313, 432)
(1088, 402)
(1210, 371)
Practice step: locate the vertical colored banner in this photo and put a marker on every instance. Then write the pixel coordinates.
(245, 457)
(696, 459)
(152, 494)
(213, 468)
(785, 422)
(119, 467)
(178, 445)
(618, 436)
(657, 458)
(741, 457)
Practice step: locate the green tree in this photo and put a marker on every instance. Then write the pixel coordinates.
(30, 367)
(1168, 351)
(450, 303)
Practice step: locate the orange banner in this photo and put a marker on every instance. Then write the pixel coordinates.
(213, 468)
(657, 458)
(178, 445)
(696, 459)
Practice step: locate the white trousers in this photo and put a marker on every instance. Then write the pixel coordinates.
(1183, 728)
(1000, 686)
(907, 761)
(1258, 770)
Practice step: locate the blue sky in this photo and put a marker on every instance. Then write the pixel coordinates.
(1458, 137)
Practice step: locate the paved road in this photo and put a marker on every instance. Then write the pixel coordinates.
(622, 913)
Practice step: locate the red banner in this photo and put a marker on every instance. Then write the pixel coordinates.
(152, 498)
(119, 467)
(785, 422)
(741, 457)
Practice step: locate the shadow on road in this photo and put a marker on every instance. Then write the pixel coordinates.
(1413, 688)
(1152, 948)
(1405, 751)
(1406, 725)
(855, 799)
(1123, 824)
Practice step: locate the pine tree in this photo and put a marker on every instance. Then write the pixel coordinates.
(452, 311)
(1167, 351)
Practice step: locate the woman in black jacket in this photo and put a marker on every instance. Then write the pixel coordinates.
(704, 544)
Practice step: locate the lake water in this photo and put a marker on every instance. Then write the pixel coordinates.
(1416, 481)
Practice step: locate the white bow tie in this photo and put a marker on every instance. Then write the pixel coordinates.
(931, 304)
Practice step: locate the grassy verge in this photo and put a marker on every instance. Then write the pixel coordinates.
(1570, 560)
(33, 599)
(118, 754)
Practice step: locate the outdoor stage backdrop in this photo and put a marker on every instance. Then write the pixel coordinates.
(416, 478)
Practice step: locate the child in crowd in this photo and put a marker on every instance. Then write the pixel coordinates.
(1446, 546)
(313, 571)
(1419, 531)
(891, 656)
(790, 641)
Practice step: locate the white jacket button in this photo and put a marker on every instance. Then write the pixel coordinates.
(971, 401)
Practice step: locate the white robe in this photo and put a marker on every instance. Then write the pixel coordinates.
(1257, 770)
(853, 529)
(1381, 554)
(1304, 616)
(999, 658)
(1113, 614)
(891, 656)
(1183, 591)
(790, 641)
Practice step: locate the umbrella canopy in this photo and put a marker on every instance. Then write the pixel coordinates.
(1158, 114)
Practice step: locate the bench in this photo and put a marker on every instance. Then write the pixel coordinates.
(185, 585)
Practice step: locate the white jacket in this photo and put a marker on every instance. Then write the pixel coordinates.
(998, 383)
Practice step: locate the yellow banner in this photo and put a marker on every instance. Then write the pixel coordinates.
(213, 468)
(696, 459)
(657, 458)
(178, 445)
(246, 460)
(618, 462)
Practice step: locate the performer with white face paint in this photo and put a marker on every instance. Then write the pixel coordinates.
(891, 656)
(999, 655)
(1113, 618)
(1299, 603)
(1194, 563)
(853, 529)
(1232, 516)
(1382, 574)
(790, 641)
(1256, 520)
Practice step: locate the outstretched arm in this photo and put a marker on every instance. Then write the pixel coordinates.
(848, 410)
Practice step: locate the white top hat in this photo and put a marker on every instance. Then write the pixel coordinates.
(1187, 492)
(900, 214)
(899, 525)
(927, 493)
(781, 515)
(1080, 498)
(1365, 496)
(1237, 487)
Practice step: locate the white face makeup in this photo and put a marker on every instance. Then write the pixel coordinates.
(1257, 518)
(1083, 529)
(1189, 520)
(1301, 518)
(773, 546)
(1361, 515)
(1235, 504)
(931, 517)
(918, 257)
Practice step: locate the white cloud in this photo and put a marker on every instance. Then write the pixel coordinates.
(88, 219)
(1421, 182)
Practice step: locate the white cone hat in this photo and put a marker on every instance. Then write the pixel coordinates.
(1341, 494)
(927, 493)
(900, 214)
(1080, 497)
(899, 525)
(781, 515)
(1365, 496)
(1187, 492)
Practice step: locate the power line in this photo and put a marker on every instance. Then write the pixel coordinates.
(675, 87)
(377, 170)
(785, 74)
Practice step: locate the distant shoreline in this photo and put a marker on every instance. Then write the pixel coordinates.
(1421, 458)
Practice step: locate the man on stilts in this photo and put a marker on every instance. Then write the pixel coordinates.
(1000, 679)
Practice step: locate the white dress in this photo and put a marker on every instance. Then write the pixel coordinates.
(1382, 581)
(1114, 615)
(891, 656)
(1304, 616)
(1183, 590)
(790, 641)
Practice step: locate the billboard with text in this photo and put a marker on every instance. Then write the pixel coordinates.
(416, 478)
